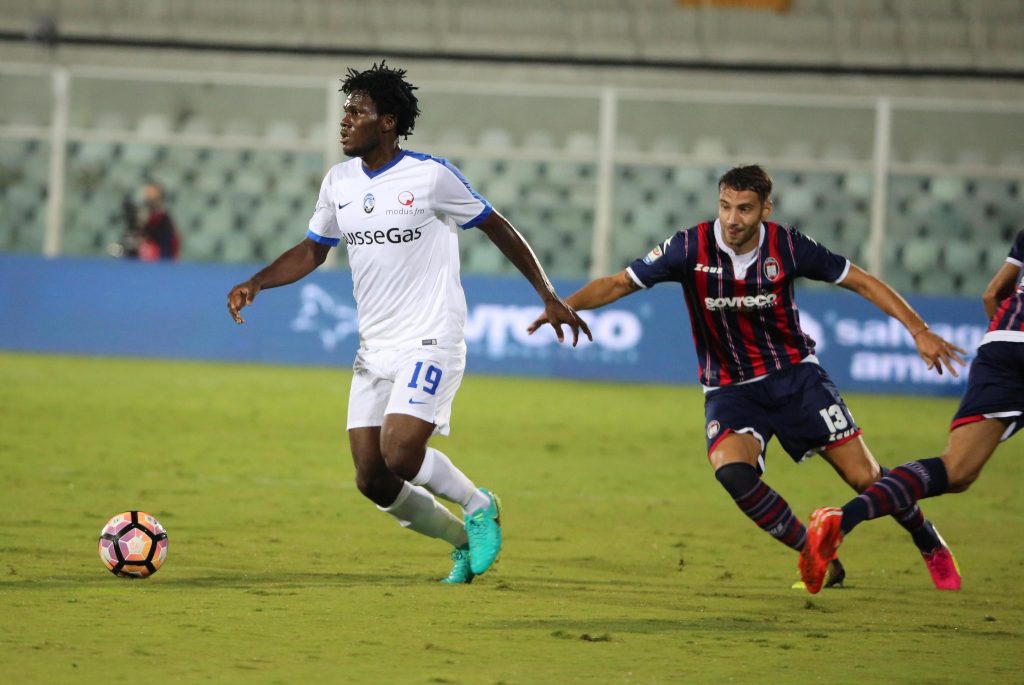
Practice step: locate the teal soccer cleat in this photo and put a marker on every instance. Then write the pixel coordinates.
(461, 573)
(483, 528)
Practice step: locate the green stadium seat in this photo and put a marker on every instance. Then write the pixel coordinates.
(921, 256)
(961, 257)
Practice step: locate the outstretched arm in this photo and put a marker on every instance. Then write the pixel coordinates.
(292, 265)
(517, 250)
(934, 350)
(1000, 287)
(597, 293)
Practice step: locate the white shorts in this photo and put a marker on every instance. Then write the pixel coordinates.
(418, 381)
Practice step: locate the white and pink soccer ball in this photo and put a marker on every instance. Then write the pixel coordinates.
(133, 544)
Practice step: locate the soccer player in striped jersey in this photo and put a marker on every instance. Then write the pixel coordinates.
(399, 213)
(760, 375)
(992, 409)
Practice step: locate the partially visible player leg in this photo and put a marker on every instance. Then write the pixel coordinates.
(735, 459)
(414, 507)
(854, 462)
(969, 448)
(403, 444)
(426, 381)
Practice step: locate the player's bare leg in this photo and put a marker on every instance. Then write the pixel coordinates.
(854, 462)
(404, 448)
(969, 448)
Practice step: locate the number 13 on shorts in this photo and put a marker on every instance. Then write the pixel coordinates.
(838, 421)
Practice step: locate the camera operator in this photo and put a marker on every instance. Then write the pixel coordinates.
(150, 235)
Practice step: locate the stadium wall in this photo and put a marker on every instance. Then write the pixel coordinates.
(114, 308)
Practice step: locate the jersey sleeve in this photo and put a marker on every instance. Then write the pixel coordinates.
(815, 261)
(323, 225)
(456, 198)
(666, 262)
(1016, 255)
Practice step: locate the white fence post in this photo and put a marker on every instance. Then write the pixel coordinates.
(61, 86)
(332, 149)
(600, 253)
(880, 182)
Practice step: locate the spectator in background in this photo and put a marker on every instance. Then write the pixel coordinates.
(151, 235)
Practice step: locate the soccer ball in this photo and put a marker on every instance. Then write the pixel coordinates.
(133, 544)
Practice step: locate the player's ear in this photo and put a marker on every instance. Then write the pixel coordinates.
(388, 123)
(766, 212)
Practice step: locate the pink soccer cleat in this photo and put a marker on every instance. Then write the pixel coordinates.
(943, 567)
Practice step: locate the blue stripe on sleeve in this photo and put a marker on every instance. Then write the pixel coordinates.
(323, 240)
(475, 221)
(458, 174)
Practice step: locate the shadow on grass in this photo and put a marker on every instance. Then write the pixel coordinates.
(277, 581)
(688, 622)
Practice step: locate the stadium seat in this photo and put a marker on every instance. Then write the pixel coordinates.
(974, 283)
(921, 256)
(583, 142)
(197, 126)
(935, 283)
(240, 128)
(153, 124)
(948, 188)
(961, 257)
(317, 132)
(537, 139)
(139, 155)
(495, 138)
(111, 121)
(798, 150)
(250, 181)
(712, 149)
(283, 131)
(993, 258)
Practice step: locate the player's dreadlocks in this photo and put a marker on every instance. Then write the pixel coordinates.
(390, 92)
(751, 177)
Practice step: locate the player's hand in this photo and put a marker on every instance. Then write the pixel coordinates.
(938, 352)
(241, 296)
(557, 313)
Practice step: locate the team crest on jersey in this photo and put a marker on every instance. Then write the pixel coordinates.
(771, 268)
(405, 198)
(713, 428)
(368, 203)
(653, 255)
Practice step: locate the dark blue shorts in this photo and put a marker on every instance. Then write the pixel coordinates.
(800, 405)
(995, 387)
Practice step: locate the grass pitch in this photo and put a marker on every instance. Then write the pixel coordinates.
(624, 561)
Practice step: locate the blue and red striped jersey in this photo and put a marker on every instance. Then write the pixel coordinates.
(1008, 323)
(742, 311)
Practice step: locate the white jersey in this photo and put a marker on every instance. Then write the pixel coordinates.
(400, 225)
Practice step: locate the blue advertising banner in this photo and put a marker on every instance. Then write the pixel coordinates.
(122, 308)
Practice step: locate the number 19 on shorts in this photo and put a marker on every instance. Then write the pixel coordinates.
(431, 378)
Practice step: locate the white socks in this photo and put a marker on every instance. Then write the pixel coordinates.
(416, 509)
(439, 476)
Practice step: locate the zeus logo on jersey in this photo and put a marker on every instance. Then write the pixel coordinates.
(704, 268)
(741, 302)
(381, 237)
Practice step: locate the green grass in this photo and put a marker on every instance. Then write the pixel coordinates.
(625, 562)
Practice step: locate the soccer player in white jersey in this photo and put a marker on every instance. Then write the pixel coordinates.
(399, 213)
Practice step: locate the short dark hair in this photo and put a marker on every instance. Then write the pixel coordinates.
(751, 177)
(390, 92)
